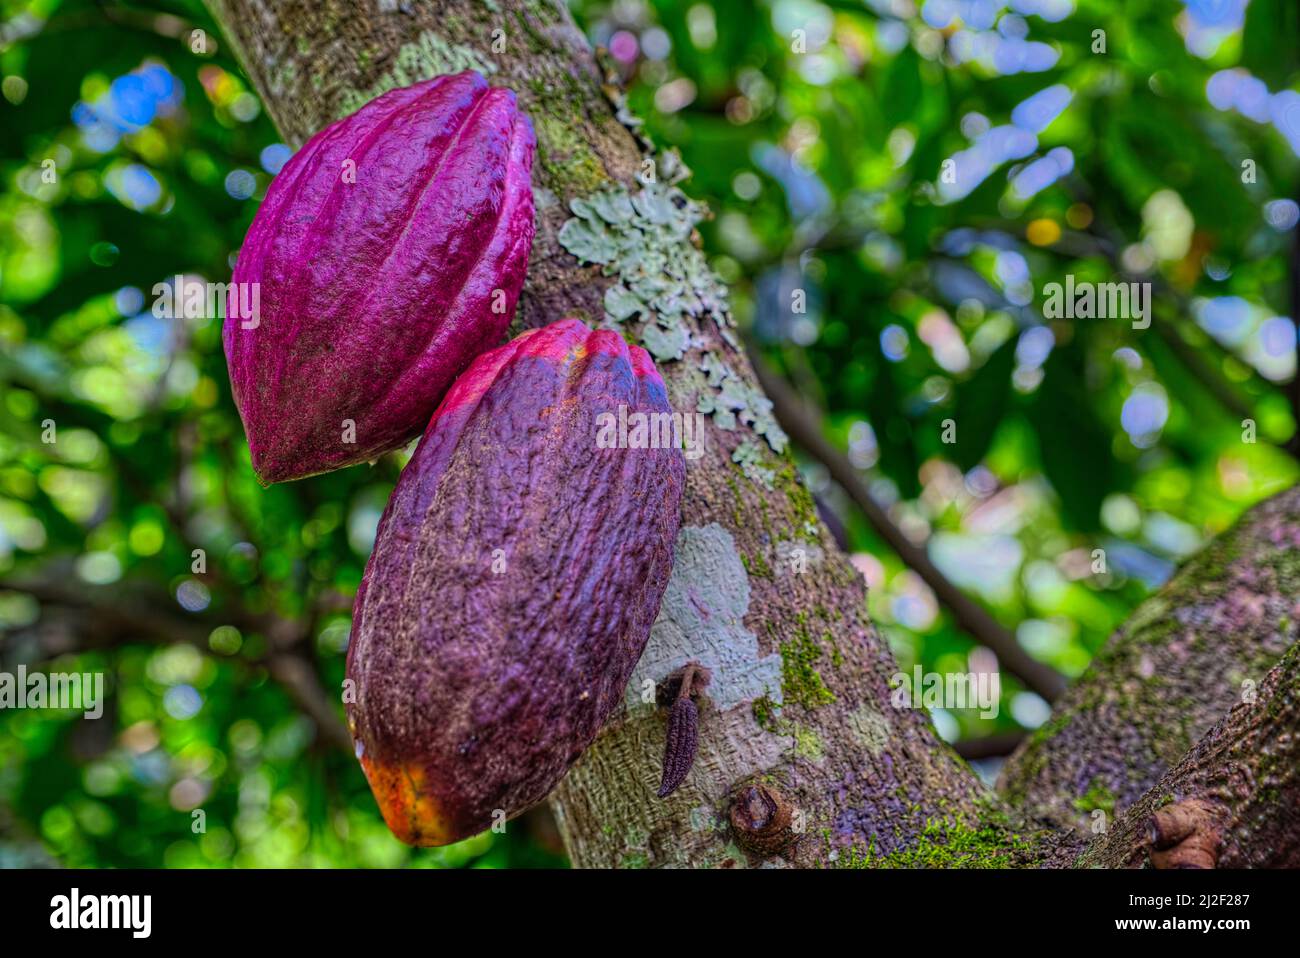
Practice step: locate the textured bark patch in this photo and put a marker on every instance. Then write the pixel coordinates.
(870, 727)
(798, 557)
(1233, 801)
(429, 55)
(515, 576)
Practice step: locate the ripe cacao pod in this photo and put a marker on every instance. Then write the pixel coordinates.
(516, 573)
(389, 252)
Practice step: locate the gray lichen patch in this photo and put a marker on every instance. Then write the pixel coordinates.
(736, 400)
(643, 239)
(749, 456)
(662, 280)
(428, 56)
(702, 620)
(870, 728)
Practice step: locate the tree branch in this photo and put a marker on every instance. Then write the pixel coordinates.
(1179, 663)
(988, 746)
(112, 618)
(1233, 801)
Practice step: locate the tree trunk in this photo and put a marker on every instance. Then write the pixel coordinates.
(802, 759)
(798, 693)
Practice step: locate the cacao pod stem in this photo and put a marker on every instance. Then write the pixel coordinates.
(683, 734)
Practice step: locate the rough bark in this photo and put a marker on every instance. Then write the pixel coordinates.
(799, 695)
(1180, 662)
(1233, 801)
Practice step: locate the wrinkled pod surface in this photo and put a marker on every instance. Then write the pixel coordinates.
(515, 576)
(389, 252)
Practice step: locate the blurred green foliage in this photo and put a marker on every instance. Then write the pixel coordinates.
(894, 289)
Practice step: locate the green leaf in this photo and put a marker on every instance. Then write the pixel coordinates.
(981, 402)
(1073, 445)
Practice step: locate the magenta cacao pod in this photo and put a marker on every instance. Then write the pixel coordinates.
(515, 576)
(389, 252)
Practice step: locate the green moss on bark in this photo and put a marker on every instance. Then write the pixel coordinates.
(800, 680)
(950, 843)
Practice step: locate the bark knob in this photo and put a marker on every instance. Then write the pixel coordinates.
(761, 817)
(1184, 835)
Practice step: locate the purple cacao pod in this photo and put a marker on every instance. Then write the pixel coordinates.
(390, 251)
(515, 576)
